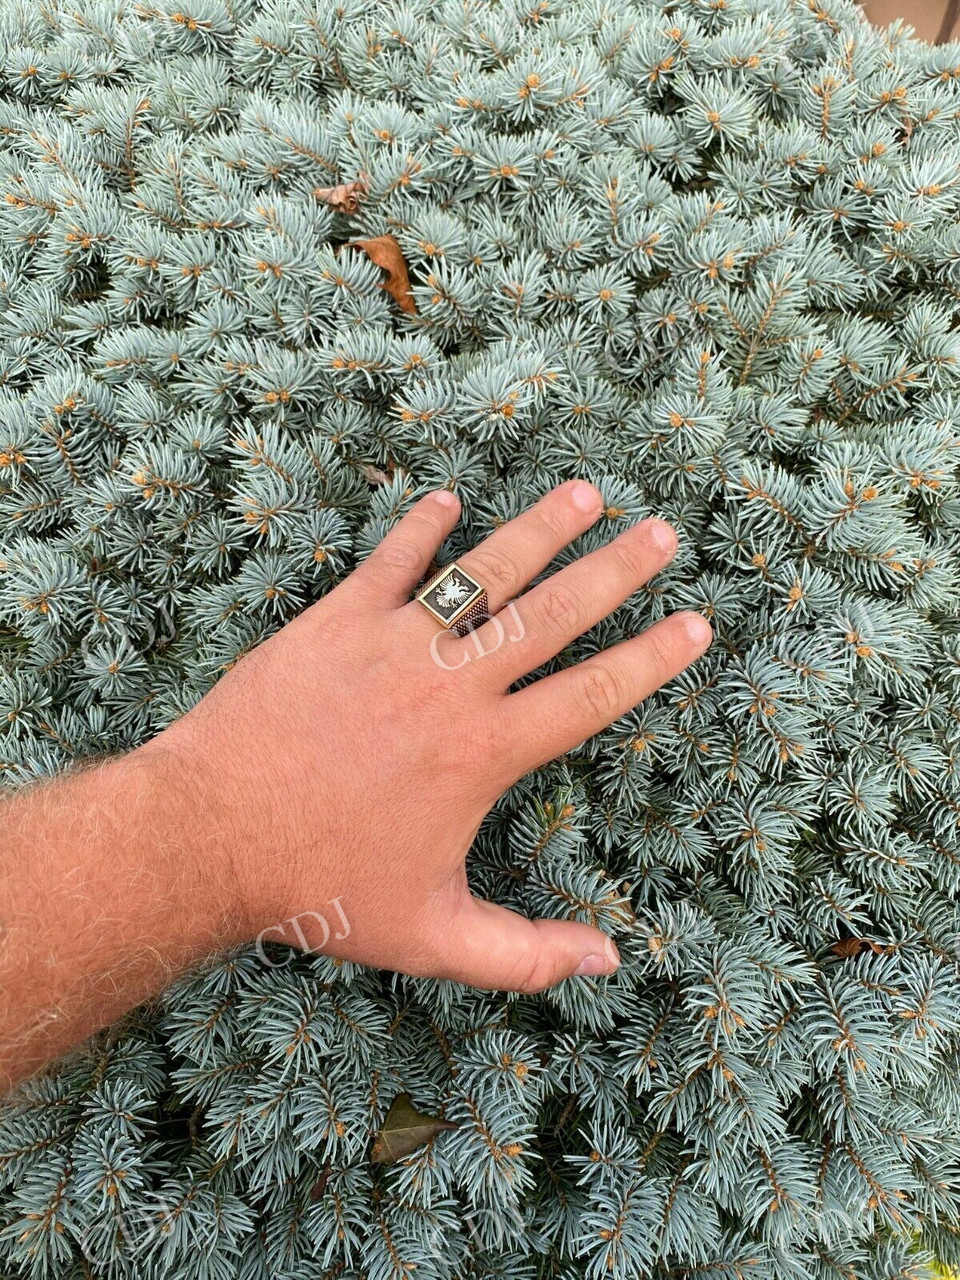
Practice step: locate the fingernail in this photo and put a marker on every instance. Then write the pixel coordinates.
(592, 965)
(698, 629)
(446, 498)
(662, 535)
(585, 497)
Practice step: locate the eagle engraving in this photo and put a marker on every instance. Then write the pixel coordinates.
(452, 592)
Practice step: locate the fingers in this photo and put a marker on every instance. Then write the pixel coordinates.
(557, 713)
(390, 573)
(494, 948)
(509, 558)
(568, 603)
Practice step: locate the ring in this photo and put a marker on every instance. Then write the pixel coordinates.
(457, 601)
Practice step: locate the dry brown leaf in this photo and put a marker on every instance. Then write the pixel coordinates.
(346, 196)
(385, 251)
(853, 946)
(374, 474)
(847, 947)
(404, 1129)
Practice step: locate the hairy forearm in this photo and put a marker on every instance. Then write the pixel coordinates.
(106, 892)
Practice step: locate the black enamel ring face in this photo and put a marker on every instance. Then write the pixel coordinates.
(450, 595)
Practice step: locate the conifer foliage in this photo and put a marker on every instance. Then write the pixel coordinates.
(705, 254)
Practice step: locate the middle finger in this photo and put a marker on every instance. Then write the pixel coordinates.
(568, 603)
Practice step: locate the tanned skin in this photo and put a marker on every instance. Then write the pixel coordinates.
(349, 760)
(936, 21)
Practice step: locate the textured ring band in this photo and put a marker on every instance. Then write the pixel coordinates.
(457, 601)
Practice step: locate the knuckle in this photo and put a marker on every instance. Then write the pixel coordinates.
(561, 610)
(494, 568)
(659, 655)
(400, 553)
(603, 691)
(527, 976)
(634, 552)
(555, 519)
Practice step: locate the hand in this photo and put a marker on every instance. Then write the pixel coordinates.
(341, 760)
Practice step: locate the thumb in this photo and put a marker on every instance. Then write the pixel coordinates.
(493, 947)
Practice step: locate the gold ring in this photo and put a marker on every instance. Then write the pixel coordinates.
(456, 600)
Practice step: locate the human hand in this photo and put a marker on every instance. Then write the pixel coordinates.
(341, 760)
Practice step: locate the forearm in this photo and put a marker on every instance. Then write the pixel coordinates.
(106, 892)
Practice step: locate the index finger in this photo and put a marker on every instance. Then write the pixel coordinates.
(392, 570)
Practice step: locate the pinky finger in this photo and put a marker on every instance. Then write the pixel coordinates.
(557, 713)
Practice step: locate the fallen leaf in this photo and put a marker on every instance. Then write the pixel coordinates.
(374, 474)
(853, 946)
(386, 253)
(403, 1130)
(345, 197)
(847, 947)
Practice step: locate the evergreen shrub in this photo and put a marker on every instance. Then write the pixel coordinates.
(705, 254)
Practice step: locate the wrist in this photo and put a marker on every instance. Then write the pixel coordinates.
(190, 836)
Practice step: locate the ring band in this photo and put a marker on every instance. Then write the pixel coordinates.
(457, 601)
